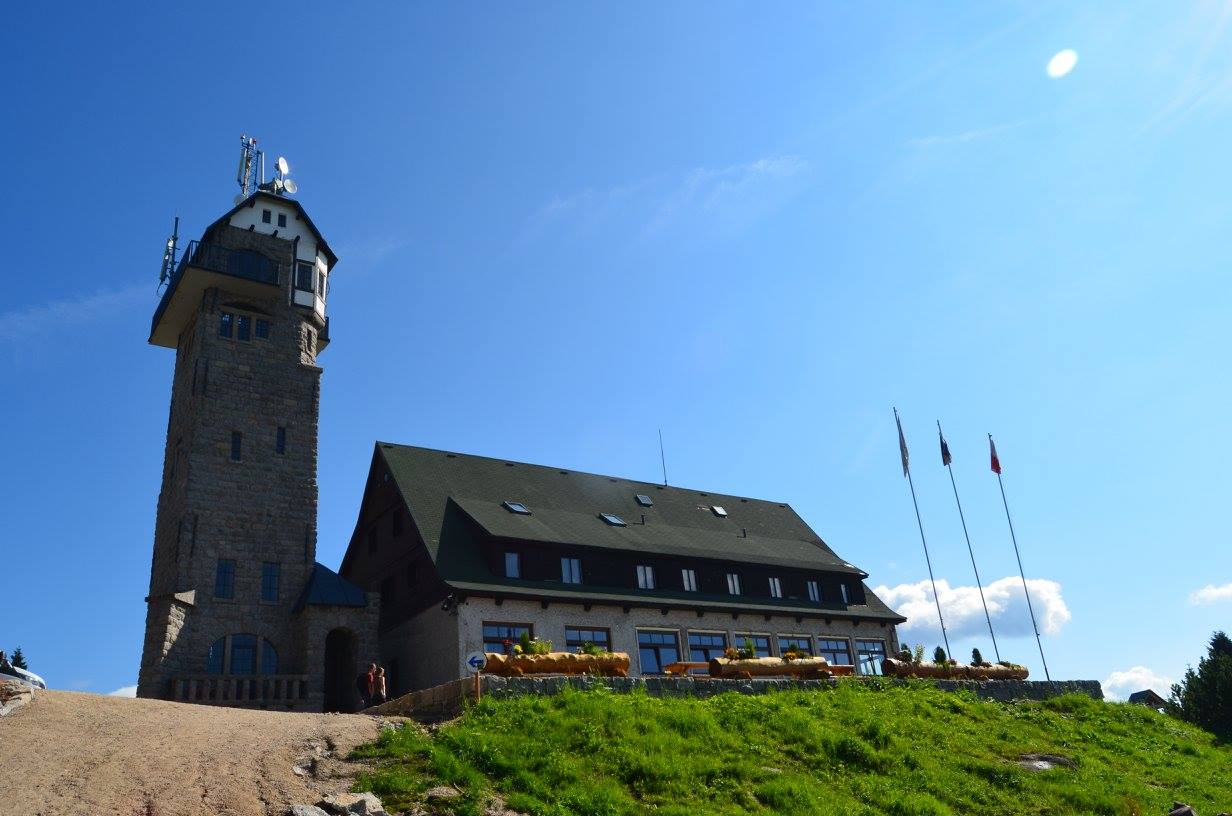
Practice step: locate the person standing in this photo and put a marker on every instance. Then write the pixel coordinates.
(379, 695)
(365, 684)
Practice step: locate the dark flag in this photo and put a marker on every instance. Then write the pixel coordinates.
(902, 444)
(992, 452)
(945, 449)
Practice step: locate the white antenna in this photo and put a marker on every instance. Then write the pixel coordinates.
(283, 184)
(284, 169)
(290, 186)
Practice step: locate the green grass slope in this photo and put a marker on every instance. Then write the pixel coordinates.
(855, 749)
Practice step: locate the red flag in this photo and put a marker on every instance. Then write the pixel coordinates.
(992, 452)
(902, 444)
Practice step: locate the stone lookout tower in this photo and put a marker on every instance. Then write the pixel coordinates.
(239, 612)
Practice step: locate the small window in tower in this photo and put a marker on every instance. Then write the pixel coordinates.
(243, 328)
(304, 275)
(265, 216)
(262, 329)
(224, 578)
(282, 219)
(280, 440)
(270, 573)
(225, 321)
(320, 283)
(237, 446)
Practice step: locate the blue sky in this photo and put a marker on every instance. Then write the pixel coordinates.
(563, 227)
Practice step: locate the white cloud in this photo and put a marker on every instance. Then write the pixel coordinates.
(965, 136)
(1210, 594)
(1062, 63)
(1121, 684)
(964, 614)
(727, 196)
(19, 324)
(123, 691)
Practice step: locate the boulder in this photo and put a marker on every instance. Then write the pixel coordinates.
(346, 804)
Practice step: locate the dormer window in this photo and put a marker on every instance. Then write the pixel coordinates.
(776, 588)
(513, 565)
(645, 577)
(846, 592)
(612, 519)
(814, 591)
(516, 507)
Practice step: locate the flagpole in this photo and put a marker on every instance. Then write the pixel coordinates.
(978, 583)
(1021, 572)
(902, 444)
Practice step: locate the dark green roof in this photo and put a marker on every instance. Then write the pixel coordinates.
(565, 509)
(328, 588)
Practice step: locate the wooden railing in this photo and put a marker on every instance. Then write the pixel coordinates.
(247, 690)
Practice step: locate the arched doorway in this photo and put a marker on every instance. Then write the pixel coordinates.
(341, 659)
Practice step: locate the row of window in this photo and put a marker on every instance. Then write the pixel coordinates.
(242, 654)
(611, 518)
(237, 443)
(659, 647)
(265, 218)
(306, 274)
(242, 327)
(571, 573)
(224, 580)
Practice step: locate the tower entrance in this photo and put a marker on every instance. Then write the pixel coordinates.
(341, 670)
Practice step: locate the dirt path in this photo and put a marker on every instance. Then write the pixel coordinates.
(69, 754)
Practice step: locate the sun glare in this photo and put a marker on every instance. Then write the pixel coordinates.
(1062, 63)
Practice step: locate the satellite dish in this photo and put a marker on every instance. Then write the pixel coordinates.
(283, 167)
(290, 186)
(239, 198)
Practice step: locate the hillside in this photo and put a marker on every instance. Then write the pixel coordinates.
(906, 751)
(68, 754)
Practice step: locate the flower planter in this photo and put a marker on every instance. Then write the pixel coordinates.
(741, 669)
(610, 664)
(952, 671)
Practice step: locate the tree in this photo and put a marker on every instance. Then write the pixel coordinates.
(938, 655)
(19, 660)
(977, 659)
(1204, 697)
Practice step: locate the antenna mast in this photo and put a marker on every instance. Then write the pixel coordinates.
(662, 457)
(252, 162)
(169, 254)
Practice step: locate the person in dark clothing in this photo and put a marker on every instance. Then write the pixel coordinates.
(365, 684)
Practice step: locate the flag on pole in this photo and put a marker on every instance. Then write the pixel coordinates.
(902, 444)
(992, 452)
(945, 449)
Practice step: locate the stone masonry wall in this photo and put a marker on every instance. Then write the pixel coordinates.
(447, 699)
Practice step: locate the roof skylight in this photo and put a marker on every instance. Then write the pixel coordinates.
(613, 519)
(517, 507)
(719, 511)
(644, 500)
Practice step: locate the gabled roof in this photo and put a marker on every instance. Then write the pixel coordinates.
(440, 487)
(251, 201)
(327, 588)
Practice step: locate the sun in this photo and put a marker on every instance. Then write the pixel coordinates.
(1062, 63)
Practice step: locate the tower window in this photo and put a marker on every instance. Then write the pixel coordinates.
(269, 581)
(304, 274)
(280, 441)
(224, 578)
(282, 219)
(237, 446)
(262, 329)
(243, 328)
(225, 321)
(265, 216)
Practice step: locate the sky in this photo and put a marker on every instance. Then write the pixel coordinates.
(564, 227)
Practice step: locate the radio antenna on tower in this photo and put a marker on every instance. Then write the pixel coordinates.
(252, 162)
(169, 254)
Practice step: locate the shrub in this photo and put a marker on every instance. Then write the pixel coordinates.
(917, 656)
(977, 659)
(939, 655)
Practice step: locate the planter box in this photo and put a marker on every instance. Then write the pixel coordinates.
(946, 671)
(804, 667)
(612, 664)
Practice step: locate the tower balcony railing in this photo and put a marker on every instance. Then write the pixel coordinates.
(258, 690)
(246, 264)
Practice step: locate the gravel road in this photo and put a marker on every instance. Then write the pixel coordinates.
(70, 754)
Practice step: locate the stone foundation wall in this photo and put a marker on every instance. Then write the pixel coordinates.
(446, 699)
